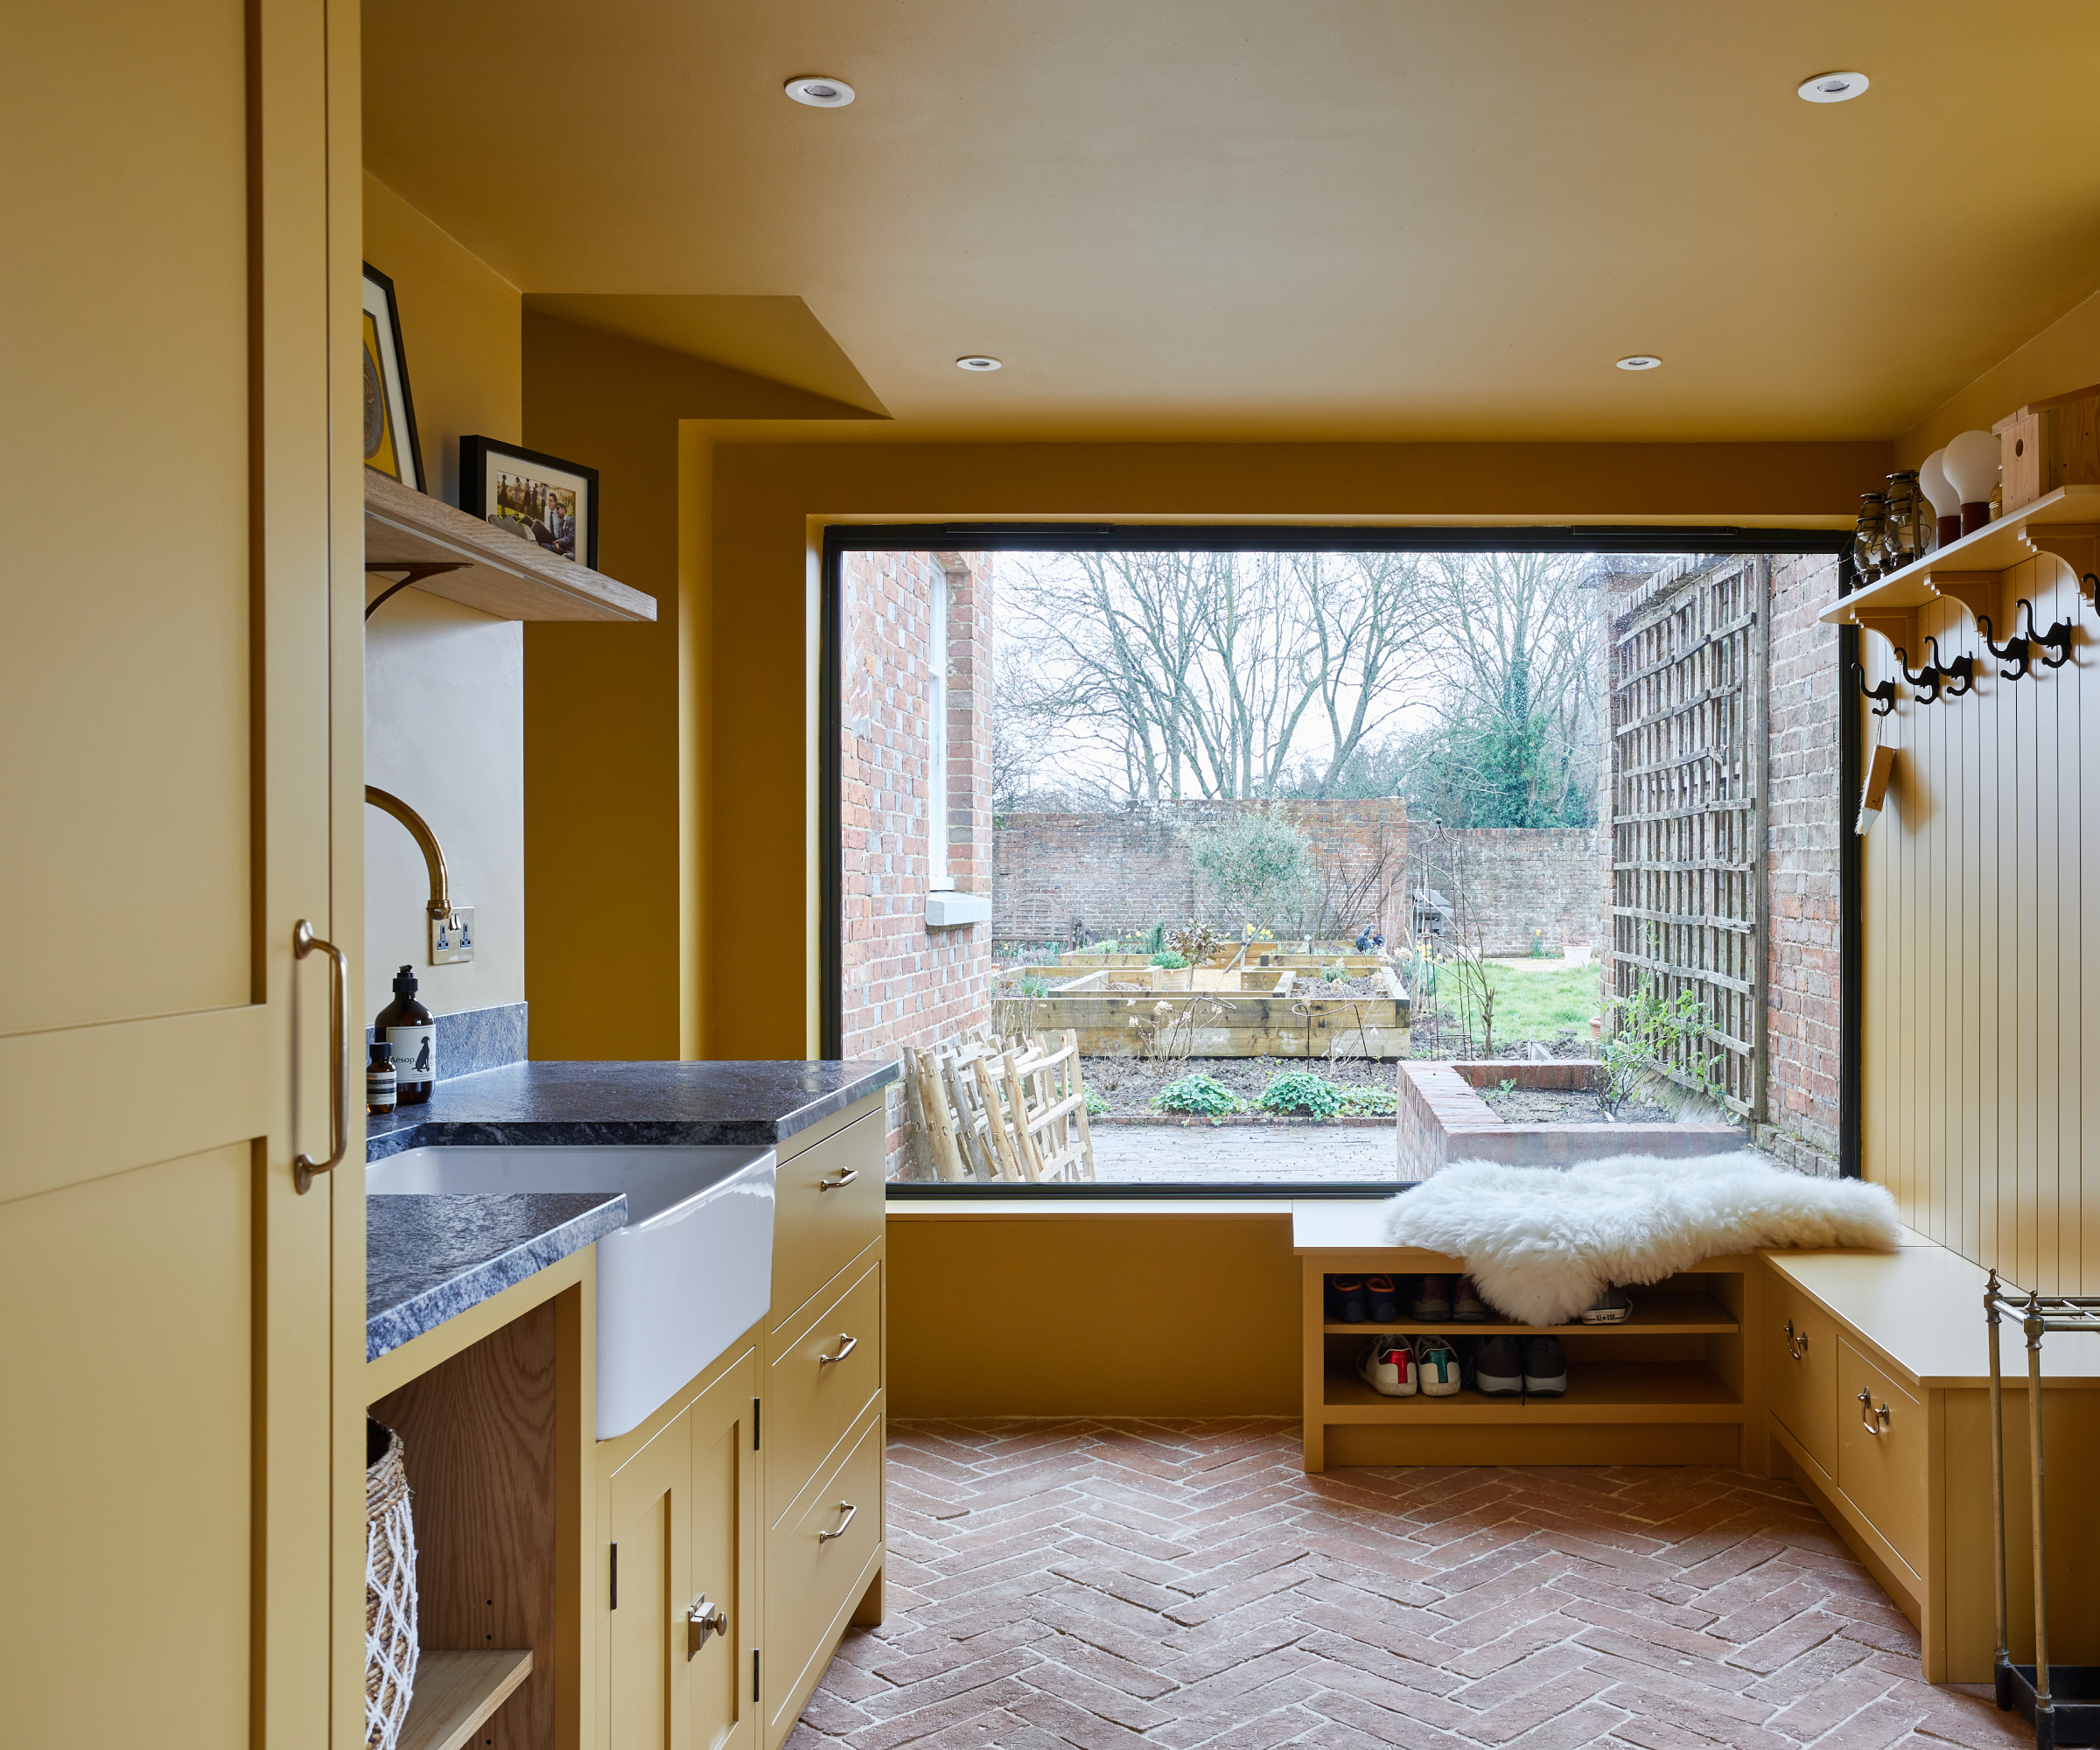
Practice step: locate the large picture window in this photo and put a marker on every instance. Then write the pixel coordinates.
(1204, 860)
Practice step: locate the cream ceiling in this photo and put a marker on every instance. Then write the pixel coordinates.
(1286, 218)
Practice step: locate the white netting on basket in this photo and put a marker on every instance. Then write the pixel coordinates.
(390, 1645)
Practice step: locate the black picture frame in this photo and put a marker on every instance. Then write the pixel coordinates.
(393, 358)
(480, 467)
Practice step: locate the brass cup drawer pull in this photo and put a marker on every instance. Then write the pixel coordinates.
(1874, 1421)
(847, 1507)
(1802, 1353)
(702, 1620)
(849, 1344)
(843, 1180)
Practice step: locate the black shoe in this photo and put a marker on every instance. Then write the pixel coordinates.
(1384, 1299)
(1346, 1299)
(1498, 1368)
(1545, 1368)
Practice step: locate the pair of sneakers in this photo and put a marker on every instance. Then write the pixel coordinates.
(1521, 1367)
(1398, 1365)
(1353, 1299)
(1438, 1298)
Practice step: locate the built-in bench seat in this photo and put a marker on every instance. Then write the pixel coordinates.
(1862, 1375)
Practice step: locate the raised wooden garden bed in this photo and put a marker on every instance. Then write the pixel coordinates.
(1442, 1119)
(1272, 1014)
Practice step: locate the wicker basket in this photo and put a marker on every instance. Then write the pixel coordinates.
(391, 1644)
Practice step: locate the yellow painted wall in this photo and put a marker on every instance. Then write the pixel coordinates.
(771, 499)
(443, 688)
(2065, 355)
(1100, 1314)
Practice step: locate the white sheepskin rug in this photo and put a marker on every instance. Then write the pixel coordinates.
(1541, 1244)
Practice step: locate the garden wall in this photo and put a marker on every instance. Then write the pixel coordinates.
(903, 984)
(1512, 883)
(1118, 873)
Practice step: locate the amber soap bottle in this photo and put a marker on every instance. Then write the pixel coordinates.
(412, 1031)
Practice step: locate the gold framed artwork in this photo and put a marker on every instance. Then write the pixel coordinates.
(390, 442)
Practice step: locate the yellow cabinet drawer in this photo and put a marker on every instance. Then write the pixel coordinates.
(820, 1383)
(1881, 1444)
(829, 1210)
(1801, 1370)
(816, 1560)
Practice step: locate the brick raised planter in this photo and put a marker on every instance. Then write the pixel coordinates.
(1442, 1119)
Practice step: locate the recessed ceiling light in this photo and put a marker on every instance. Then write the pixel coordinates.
(1640, 361)
(820, 94)
(976, 362)
(1833, 87)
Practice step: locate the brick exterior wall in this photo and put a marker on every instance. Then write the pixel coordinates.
(1803, 820)
(1120, 873)
(1511, 882)
(905, 984)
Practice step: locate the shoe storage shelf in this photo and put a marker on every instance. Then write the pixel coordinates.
(1666, 1387)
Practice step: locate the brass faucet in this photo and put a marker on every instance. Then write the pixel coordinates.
(441, 888)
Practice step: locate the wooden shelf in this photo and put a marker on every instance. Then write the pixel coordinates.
(1654, 1315)
(455, 1692)
(1598, 1391)
(496, 572)
(1959, 569)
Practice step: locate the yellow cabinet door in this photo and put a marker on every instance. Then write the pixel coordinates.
(180, 314)
(720, 1674)
(650, 1570)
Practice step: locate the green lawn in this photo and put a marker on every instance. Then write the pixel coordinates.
(1537, 1005)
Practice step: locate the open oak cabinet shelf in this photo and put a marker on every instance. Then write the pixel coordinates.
(463, 560)
(457, 1692)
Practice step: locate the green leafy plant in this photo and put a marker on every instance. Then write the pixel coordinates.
(1034, 987)
(1359, 1101)
(1155, 938)
(1538, 944)
(1204, 1097)
(1169, 959)
(1255, 865)
(1335, 973)
(1651, 1035)
(1297, 1091)
(1096, 1106)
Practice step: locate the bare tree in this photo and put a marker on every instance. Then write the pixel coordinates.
(1205, 674)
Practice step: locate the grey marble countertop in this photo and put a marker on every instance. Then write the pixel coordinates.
(428, 1259)
(528, 1104)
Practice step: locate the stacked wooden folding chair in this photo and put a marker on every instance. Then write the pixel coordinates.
(991, 1111)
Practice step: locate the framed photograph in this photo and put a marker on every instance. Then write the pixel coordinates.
(390, 443)
(541, 499)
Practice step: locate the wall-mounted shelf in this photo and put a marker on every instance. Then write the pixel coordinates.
(456, 1692)
(409, 531)
(1971, 570)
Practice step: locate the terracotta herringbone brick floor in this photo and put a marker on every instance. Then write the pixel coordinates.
(1144, 1583)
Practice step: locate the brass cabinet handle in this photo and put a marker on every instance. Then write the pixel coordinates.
(1802, 1353)
(847, 1507)
(1874, 1421)
(702, 1620)
(303, 942)
(843, 1180)
(852, 1344)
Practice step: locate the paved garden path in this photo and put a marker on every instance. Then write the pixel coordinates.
(1242, 1154)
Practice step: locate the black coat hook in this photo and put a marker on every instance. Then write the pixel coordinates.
(2057, 638)
(1885, 693)
(1963, 668)
(2014, 650)
(1926, 680)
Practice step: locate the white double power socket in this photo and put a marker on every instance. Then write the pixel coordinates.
(452, 938)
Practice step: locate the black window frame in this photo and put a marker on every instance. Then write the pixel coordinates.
(841, 538)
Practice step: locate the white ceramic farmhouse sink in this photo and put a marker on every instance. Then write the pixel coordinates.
(689, 1272)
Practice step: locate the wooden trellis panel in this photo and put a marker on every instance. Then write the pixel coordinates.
(1688, 807)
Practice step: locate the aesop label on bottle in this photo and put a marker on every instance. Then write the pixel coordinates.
(415, 1053)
